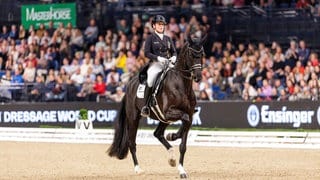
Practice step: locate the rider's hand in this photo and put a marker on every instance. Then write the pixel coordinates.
(162, 59)
(173, 59)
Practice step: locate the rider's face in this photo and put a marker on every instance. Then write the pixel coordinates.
(159, 27)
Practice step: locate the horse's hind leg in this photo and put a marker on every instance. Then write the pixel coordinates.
(133, 128)
(159, 133)
(175, 136)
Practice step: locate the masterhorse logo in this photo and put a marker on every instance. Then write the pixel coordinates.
(253, 115)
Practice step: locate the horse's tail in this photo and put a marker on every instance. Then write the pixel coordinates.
(120, 147)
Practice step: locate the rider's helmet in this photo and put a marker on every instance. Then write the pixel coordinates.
(159, 18)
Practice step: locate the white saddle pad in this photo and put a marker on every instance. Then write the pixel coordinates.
(140, 90)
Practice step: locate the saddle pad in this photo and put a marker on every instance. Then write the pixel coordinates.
(140, 90)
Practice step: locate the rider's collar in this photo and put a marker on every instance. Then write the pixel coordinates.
(160, 35)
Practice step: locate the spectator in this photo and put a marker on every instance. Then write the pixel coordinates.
(86, 90)
(5, 84)
(249, 92)
(76, 42)
(291, 55)
(37, 90)
(33, 38)
(51, 28)
(29, 72)
(100, 44)
(303, 53)
(77, 78)
(121, 61)
(87, 63)
(91, 32)
(13, 34)
(41, 30)
(265, 92)
(117, 96)
(57, 93)
(123, 27)
(237, 82)
(4, 33)
(99, 88)
(22, 33)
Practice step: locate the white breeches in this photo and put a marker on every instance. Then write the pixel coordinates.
(154, 69)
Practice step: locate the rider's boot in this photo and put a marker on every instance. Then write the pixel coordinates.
(145, 111)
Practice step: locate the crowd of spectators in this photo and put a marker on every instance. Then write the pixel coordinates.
(71, 64)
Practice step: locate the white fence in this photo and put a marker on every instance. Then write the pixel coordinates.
(307, 140)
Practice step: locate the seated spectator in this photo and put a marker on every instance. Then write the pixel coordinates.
(283, 95)
(37, 91)
(33, 38)
(57, 92)
(77, 78)
(249, 92)
(45, 38)
(91, 33)
(41, 30)
(4, 33)
(265, 92)
(237, 82)
(86, 90)
(99, 88)
(17, 79)
(22, 33)
(314, 59)
(117, 96)
(5, 84)
(51, 28)
(97, 67)
(29, 72)
(100, 44)
(13, 34)
(76, 42)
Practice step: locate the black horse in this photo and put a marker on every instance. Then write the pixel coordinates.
(175, 99)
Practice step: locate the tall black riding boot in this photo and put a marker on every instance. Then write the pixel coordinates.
(145, 111)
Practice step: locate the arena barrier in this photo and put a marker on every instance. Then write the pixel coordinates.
(254, 139)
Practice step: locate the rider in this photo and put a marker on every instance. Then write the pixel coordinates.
(160, 49)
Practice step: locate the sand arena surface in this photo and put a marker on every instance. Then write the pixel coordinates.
(22, 160)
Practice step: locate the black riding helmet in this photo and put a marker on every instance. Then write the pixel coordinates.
(159, 18)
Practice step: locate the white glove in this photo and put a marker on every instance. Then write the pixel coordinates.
(173, 59)
(162, 59)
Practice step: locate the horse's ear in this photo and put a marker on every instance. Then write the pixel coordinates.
(204, 39)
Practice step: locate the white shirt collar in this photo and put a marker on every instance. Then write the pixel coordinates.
(160, 35)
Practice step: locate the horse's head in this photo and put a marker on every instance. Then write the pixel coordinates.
(195, 55)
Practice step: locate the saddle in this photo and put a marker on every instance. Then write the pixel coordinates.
(143, 74)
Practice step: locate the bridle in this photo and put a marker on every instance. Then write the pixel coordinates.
(195, 54)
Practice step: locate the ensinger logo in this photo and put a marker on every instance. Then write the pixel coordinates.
(281, 116)
(253, 115)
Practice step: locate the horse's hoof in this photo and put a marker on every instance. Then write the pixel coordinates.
(172, 162)
(169, 137)
(138, 170)
(183, 176)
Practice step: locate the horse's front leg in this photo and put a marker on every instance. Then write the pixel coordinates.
(159, 134)
(183, 146)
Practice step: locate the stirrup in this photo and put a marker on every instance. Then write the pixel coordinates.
(145, 111)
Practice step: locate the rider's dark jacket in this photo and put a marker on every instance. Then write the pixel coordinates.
(155, 47)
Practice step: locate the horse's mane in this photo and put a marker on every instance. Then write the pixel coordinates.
(182, 55)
